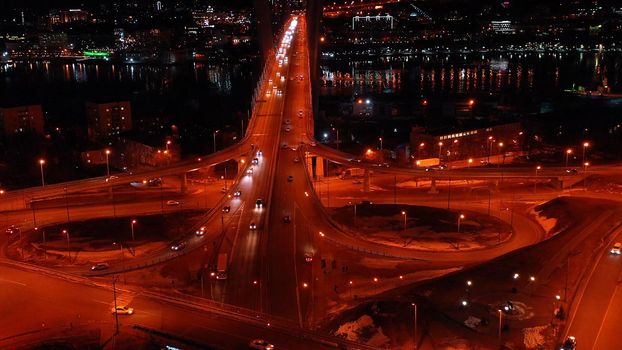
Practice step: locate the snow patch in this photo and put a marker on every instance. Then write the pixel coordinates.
(547, 223)
(363, 330)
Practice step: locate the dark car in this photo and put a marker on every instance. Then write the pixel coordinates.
(259, 203)
(178, 246)
(571, 171)
(569, 344)
(226, 209)
(287, 219)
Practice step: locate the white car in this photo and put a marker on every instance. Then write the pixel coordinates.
(100, 266)
(260, 344)
(616, 248)
(237, 194)
(123, 310)
(249, 172)
(172, 203)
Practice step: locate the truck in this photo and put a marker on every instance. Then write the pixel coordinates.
(428, 162)
(352, 173)
(221, 267)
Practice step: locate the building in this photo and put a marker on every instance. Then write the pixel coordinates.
(108, 120)
(15, 120)
(473, 143)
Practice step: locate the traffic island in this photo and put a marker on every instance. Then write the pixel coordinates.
(104, 240)
(423, 228)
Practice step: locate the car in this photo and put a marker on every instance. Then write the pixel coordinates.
(569, 344)
(616, 248)
(287, 121)
(100, 266)
(269, 81)
(224, 190)
(259, 153)
(255, 161)
(176, 246)
(300, 114)
(571, 171)
(237, 194)
(284, 145)
(268, 93)
(12, 230)
(442, 166)
(172, 203)
(313, 143)
(288, 128)
(226, 209)
(259, 203)
(430, 169)
(110, 178)
(200, 231)
(249, 172)
(287, 219)
(296, 159)
(279, 92)
(123, 310)
(290, 178)
(252, 226)
(260, 344)
(308, 257)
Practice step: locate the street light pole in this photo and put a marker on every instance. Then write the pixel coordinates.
(405, 218)
(415, 338)
(535, 182)
(107, 163)
(585, 145)
(440, 150)
(132, 226)
(585, 165)
(68, 251)
(460, 218)
(41, 162)
(500, 322)
(215, 132)
(380, 139)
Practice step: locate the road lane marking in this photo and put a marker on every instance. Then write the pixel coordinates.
(14, 282)
(602, 323)
(102, 302)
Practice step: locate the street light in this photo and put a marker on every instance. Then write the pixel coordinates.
(405, 216)
(500, 322)
(337, 132)
(440, 149)
(215, 132)
(415, 337)
(460, 218)
(168, 143)
(568, 152)
(380, 139)
(585, 165)
(499, 148)
(469, 163)
(585, 145)
(66, 233)
(490, 141)
(535, 181)
(132, 223)
(421, 145)
(41, 162)
(107, 163)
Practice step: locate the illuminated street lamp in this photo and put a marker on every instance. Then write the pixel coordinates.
(405, 217)
(585, 165)
(421, 145)
(168, 143)
(380, 139)
(415, 336)
(107, 163)
(460, 218)
(585, 145)
(568, 153)
(337, 132)
(469, 163)
(41, 162)
(214, 134)
(66, 233)
(132, 223)
(490, 141)
(499, 150)
(440, 149)
(535, 181)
